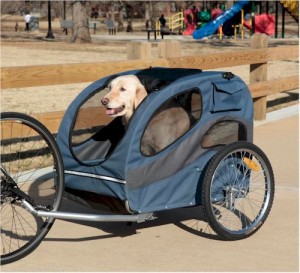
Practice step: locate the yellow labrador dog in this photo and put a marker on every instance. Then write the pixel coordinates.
(124, 96)
(168, 124)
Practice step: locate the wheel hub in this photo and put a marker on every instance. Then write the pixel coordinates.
(232, 193)
(7, 195)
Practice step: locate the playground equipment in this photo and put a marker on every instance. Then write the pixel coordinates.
(211, 27)
(213, 163)
(175, 23)
(229, 22)
(203, 17)
(263, 23)
(292, 6)
(190, 24)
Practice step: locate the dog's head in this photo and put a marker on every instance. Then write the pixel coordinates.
(125, 94)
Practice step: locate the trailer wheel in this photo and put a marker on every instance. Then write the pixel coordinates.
(238, 190)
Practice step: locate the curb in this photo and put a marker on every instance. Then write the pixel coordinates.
(279, 114)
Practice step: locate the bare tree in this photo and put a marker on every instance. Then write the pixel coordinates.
(150, 14)
(81, 32)
(15, 7)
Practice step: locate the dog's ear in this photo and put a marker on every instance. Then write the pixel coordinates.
(141, 93)
(109, 80)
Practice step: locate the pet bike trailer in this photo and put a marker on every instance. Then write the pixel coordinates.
(98, 162)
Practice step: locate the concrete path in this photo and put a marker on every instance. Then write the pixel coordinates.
(178, 242)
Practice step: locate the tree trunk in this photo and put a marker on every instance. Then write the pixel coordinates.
(81, 31)
(152, 14)
(147, 12)
(121, 17)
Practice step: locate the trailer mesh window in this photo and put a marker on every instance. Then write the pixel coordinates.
(223, 133)
(171, 121)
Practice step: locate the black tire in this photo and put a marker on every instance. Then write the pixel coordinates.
(31, 170)
(238, 190)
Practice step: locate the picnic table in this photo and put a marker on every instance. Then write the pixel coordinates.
(150, 30)
(162, 31)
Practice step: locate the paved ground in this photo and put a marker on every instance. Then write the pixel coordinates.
(172, 242)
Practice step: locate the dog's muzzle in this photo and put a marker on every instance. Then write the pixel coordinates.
(114, 111)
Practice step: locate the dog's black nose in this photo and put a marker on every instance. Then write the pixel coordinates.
(105, 101)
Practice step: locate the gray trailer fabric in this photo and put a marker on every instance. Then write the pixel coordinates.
(172, 177)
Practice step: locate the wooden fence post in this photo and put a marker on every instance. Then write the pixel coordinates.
(258, 73)
(169, 49)
(138, 50)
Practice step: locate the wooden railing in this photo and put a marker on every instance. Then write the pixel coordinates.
(257, 58)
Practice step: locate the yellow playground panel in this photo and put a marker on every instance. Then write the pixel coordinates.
(175, 22)
(292, 6)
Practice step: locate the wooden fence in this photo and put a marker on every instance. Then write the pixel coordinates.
(139, 55)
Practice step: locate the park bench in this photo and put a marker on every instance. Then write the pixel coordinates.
(110, 25)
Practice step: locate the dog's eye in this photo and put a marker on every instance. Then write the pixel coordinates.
(122, 89)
